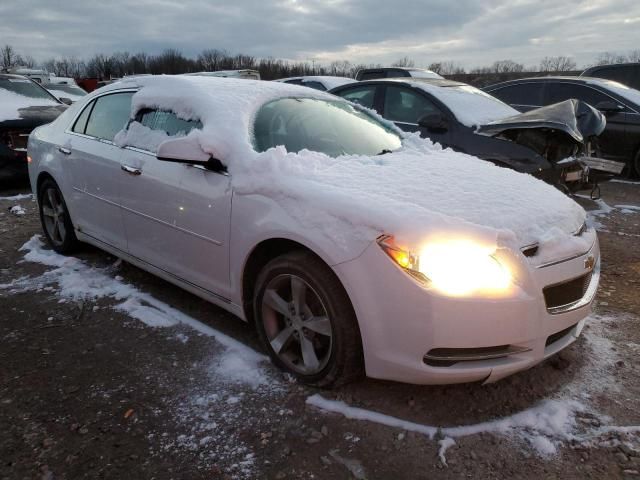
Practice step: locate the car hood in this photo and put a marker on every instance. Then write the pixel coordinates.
(576, 118)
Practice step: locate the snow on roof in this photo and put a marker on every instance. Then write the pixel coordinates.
(11, 103)
(417, 191)
(470, 105)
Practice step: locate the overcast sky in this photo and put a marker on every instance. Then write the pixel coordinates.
(469, 32)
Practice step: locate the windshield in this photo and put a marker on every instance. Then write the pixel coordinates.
(470, 105)
(60, 89)
(24, 87)
(332, 127)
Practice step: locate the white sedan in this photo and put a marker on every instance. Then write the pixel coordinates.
(355, 248)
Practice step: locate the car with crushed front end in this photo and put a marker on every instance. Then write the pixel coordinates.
(549, 143)
(24, 105)
(355, 248)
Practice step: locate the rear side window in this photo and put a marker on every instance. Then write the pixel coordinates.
(110, 114)
(558, 92)
(167, 122)
(623, 75)
(406, 106)
(361, 95)
(395, 73)
(371, 75)
(525, 94)
(297, 81)
(81, 123)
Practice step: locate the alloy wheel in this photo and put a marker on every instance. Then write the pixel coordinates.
(53, 214)
(297, 324)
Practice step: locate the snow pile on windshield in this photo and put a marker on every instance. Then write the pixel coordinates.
(11, 103)
(470, 106)
(416, 192)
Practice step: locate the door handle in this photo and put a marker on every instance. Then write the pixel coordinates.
(131, 170)
(64, 150)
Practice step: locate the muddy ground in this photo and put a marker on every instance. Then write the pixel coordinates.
(90, 388)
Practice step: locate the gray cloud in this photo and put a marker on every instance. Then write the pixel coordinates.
(466, 31)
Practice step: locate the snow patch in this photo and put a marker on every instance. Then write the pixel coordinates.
(17, 210)
(15, 198)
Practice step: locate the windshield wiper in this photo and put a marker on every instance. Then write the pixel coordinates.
(384, 152)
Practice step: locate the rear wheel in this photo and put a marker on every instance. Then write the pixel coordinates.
(55, 219)
(306, 321)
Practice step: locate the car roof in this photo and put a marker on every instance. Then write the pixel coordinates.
(412, 81)
(562, 78)
(595, 68)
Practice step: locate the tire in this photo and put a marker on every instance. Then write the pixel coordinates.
(323, 317)
(55, 219)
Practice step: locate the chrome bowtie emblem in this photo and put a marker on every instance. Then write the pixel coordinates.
(589, 262)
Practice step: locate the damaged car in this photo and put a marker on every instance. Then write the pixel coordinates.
(549, 143)
(24, 105)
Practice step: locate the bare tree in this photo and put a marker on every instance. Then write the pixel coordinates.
(633, 56)
(446, 68)
(404, 62)
(606, 58)
(8, 55)
(557, 64)
(506, 66)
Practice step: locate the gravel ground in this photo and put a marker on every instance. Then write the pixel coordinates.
(93, 386)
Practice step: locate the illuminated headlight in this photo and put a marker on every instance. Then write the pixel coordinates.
(456, 268)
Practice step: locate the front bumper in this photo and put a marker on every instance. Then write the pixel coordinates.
(401, 322)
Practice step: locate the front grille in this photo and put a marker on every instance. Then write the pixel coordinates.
(567, 293)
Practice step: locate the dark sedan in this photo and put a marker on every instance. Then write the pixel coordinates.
(24, 105)
(469, 120)
(620, 140)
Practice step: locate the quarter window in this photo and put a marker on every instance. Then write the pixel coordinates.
(110, 114)
(405, 106)
(81, 123)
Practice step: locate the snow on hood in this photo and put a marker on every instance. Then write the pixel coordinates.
(418, 191)
(11, 103)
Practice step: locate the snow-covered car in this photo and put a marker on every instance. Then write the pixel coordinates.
(318, 82)
(352, 246)
(549, 143)
(246, 73)
(394, 72)
(24, 104)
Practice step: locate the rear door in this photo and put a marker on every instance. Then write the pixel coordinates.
(613, 142)
(95, 167)
(366, 95)
(176, 215)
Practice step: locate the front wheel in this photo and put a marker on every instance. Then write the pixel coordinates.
(55, 219)
(306, 321)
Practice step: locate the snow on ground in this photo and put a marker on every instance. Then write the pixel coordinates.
(215, 408)
(553, 423)
(17, 210)
(15, 198)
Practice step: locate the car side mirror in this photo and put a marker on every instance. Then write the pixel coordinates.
(65, 100)
(434, 122)
(609, 106)
(187, 150)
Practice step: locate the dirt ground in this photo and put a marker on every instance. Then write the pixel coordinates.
(90, 388)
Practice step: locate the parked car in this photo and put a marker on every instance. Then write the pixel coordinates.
(626, 73)
(318, 82)
(620, 140)
(545, 143)
(24, 105)
(243, 73)
(351, 246)
(66, 91)
(394, 72)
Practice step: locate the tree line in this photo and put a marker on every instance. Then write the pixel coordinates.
(173, 61)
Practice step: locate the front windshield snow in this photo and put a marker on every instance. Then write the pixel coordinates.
(331, 127)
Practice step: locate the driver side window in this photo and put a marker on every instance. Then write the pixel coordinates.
(152, 127)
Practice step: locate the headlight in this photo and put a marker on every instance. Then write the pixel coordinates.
(456, 268)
